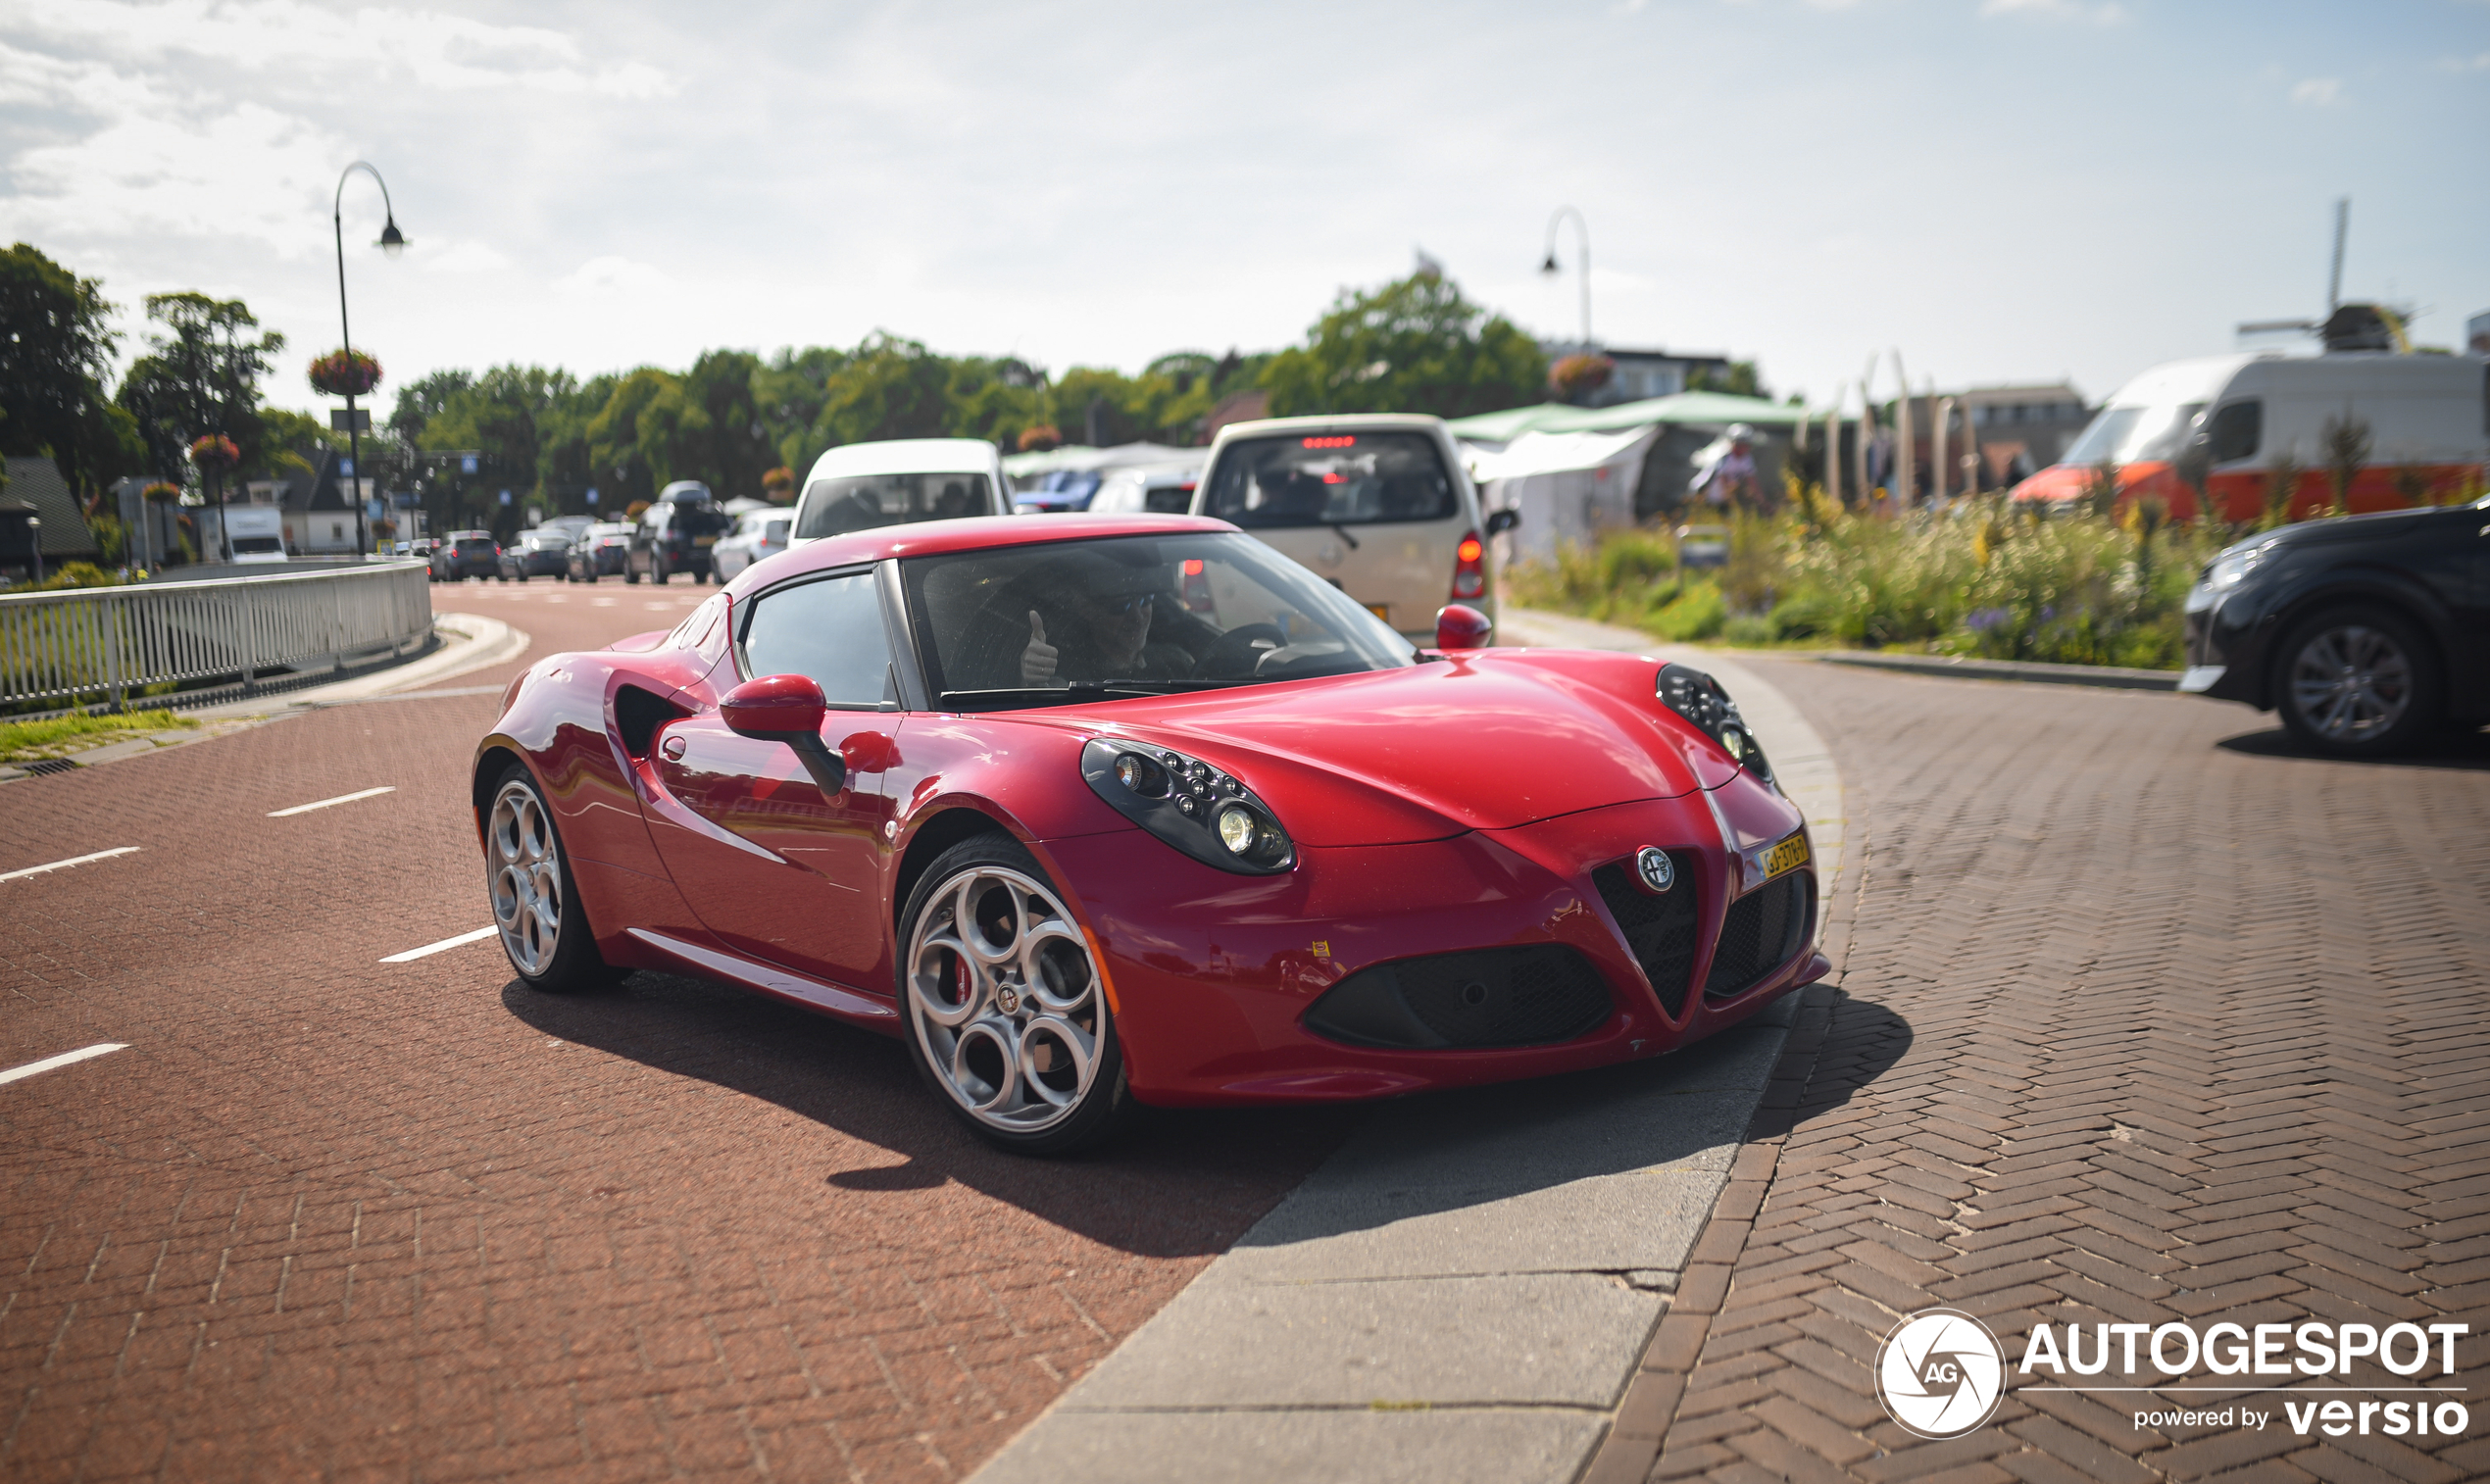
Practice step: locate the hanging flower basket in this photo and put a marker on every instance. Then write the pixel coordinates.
(213, 454)
(779, 483)
(162, 493)
(1039, 439)
(345, 374)
(1580, 376)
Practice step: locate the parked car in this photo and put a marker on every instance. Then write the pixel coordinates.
(544, 552)
(465, 553)
(1379, 506)
(675, 534)
(758, 533)
(858, 486)
(1165, 489)
(421, 548)
(1102, 811)
(1059, 491)
(569, 525)
(602, 550)
(2364, 634)
(2239, 419)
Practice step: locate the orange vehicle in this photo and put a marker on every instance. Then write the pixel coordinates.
(2425, 418)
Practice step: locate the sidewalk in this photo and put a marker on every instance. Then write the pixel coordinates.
(1463, 1290)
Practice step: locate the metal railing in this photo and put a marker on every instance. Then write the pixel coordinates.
(108, 642)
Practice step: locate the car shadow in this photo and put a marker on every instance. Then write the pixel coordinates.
(1182, 1182)
(2447, 748)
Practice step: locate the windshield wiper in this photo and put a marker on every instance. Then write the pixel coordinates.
(1084, 690)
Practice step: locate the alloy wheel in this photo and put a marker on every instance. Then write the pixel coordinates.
(1004, 998)
(527, 867)
(2351, 682)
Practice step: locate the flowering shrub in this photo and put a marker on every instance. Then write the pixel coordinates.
(345, 374)
(1039, 439)
(1580, 376)
(162, 493)
(214, 453)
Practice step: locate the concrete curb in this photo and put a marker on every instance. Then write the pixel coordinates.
(2104, 676)
(1469, 1288)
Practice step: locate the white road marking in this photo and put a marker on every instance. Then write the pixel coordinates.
(101, 854)
(603, 602)
(657, 606)
(429, 949)
(17, 1074)
(304, 809)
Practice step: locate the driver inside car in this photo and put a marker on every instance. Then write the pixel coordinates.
(1102, 630)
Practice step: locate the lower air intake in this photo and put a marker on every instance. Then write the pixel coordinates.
(1660, 931)
(1761, 932)
(1469, 1001)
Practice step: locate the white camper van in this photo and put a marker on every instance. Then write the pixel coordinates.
(257, 533)
(2427, 419)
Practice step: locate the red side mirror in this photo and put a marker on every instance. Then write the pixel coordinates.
(1458, 626)
(786, 709)
(776, 708)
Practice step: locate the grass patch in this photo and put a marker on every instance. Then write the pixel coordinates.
(31, 741)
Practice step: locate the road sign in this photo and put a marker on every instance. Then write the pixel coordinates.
(466, 466)
(341, 420)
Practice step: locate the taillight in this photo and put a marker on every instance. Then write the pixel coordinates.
(1470, 566)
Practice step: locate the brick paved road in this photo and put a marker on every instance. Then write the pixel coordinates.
(2140, 1018)
(331, 1219)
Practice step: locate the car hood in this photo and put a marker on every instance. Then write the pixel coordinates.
(1488, 740)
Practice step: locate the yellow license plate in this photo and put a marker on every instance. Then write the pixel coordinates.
(1381, 611)
(1789, 854)
(704, 541)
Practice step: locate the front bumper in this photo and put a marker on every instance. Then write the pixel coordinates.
(2224, 649)
(1213, 975)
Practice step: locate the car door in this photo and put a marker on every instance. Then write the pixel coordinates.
(774, 867)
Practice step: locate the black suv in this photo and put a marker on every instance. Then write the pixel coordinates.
(2364, 633)
(466, 554)
(675, 535)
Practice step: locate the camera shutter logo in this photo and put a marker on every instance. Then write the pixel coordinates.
(1940, 1373)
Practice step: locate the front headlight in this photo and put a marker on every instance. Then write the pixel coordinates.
(1699, 697)
(2231, 569)
(1201, 811)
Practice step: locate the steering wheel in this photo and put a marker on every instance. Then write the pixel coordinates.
(1233, 651)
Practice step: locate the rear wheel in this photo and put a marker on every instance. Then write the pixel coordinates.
(1007, 1015)
(2358, 682)
(535, 903)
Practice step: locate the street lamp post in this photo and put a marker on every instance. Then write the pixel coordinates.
(1582, 231)
(391, 243)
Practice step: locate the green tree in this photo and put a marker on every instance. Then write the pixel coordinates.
(1413, 345)
(790, 391)
(616, 444)
(889, 388)
(1741, 380)
(55, 351)
(203, 377)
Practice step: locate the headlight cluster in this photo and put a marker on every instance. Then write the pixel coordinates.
(2231, 567)
(1699, 697)
(1201, 811)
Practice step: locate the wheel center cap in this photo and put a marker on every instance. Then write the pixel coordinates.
(1008, 999)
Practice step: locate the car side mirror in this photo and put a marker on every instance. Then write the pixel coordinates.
(786, 709)
(1460, 627)
(1501, 520)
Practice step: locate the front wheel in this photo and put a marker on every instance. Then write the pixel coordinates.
(1007, 1015)
(2358, 682)
(535, 902)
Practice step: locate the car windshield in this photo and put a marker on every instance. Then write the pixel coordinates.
(1335, 479)
(861, 502)
(2134, 435)
(1041, 625)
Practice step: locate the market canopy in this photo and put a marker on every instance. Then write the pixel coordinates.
(1707, 408)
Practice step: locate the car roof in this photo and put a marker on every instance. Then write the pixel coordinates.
(1378, 422)
(906, 456)
(928, 538)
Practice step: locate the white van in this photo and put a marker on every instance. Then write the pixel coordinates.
(257, 531)
(1376, 504)
(2427, 417)
(858, 486)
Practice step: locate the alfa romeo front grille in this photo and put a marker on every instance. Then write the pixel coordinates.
(1660, 931)
(1760, 933)
(1494, 997)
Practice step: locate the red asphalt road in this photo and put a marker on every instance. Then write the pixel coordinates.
(328, 1217)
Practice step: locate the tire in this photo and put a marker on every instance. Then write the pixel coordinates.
(632, 576)
(524, 869)
(973, 1023)
(659, 573)
(2358, 682)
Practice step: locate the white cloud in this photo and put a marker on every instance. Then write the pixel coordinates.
(464, 257)
(612, 278)
(2479, 64)
(2318, 92)
(2103, 13)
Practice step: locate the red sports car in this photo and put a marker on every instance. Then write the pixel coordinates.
(1099, 810)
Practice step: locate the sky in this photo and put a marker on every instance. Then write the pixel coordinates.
(2000, 190)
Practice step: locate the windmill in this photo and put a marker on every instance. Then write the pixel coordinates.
(2346, 326)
